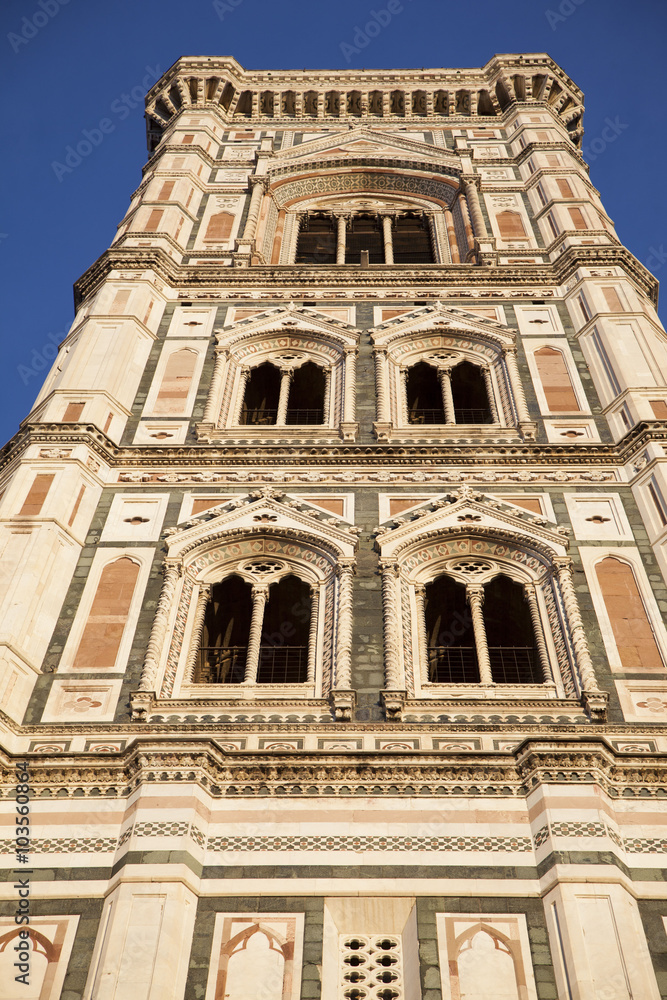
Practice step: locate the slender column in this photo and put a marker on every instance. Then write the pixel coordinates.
(283, 399)
(582, 654)
(475, 596)
(326, 403)
(197, 628)
(388, 240)
(213, 402)
(243, 381)
(260, 595)
(531, 598)
(466, 223)
(294, 238)
(345, 573)
(350, 384)
(445, 377)
(255, 205)
(171, 572)
(312, 633)
(469, 185)
(341, 223)
(422, 637)
(509, 353)
(381, 386)
(390, 621)
(488, 382)
(451, 236)
(404, 401)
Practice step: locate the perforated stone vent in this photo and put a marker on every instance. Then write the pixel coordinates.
(371, 967)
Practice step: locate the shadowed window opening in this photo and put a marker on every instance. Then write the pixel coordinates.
(222, 656)
(317, 241)
(425, 404)
(411, 237)
(509, 633)
(452, 656)
(260, 402)
(283, 657)
(306, 398)
(364, 233)
(471, 401)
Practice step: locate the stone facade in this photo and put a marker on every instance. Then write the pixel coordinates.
(369, 339)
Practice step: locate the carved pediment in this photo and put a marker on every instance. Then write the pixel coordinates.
(365, 142)
(288, 320)
(445, 319)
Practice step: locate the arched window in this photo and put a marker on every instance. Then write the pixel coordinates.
(256, 632)
(480, 633)
(424, 395)
(482, 960)
(469, 395)
(307, 395)
(411, 236)
(317, 240)
(262, 394)
(364, 233)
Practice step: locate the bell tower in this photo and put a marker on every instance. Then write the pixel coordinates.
(332, 657)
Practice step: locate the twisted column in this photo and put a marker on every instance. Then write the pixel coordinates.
(171, 572)
(326, 403)
(243, 381)
(420, 591)
(341, 222)
(509, 353)
(467, 225)
(350, 384)
(531, 598)
(283, 400)
(381, 386)
(250, 229)
(390, 621)
(345, 574)
(488, 382)
(197, 628)
(312, 633)
(404, 401)
(445, 378)
(582, 654)
(388, 240)
(213, 402)
(451, 236)
(469, 185)
(260, 595)
(475, 597)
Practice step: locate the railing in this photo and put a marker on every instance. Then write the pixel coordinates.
(419, 415)
(453, 665)
(301, 416)
(458, 665)
(479, 415)
(515, 665)
(260, 416)
(277, 665)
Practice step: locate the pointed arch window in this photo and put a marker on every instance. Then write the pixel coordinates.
(257, 632)
(445, 394)
(261, 396)
(288, 395)
(482, 633)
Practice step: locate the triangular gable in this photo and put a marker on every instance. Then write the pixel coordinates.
(438, 316)
(263, 511)
(464, 510)
(297, 318)
(365, 142)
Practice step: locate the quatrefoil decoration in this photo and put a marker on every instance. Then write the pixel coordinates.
(471, 568)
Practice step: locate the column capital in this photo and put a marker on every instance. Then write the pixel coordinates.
(473, 179)
(390, 567)
(259, 180)
(259, 590)
(346, 566)
(475, 591)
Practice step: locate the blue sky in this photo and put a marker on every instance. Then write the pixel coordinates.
(66, 65)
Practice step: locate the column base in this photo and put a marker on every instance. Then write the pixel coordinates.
(141, 703)
(528, 430)
(349, 430)
(382, 430)
(394, 704)
(343, 703)
(595, 703)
